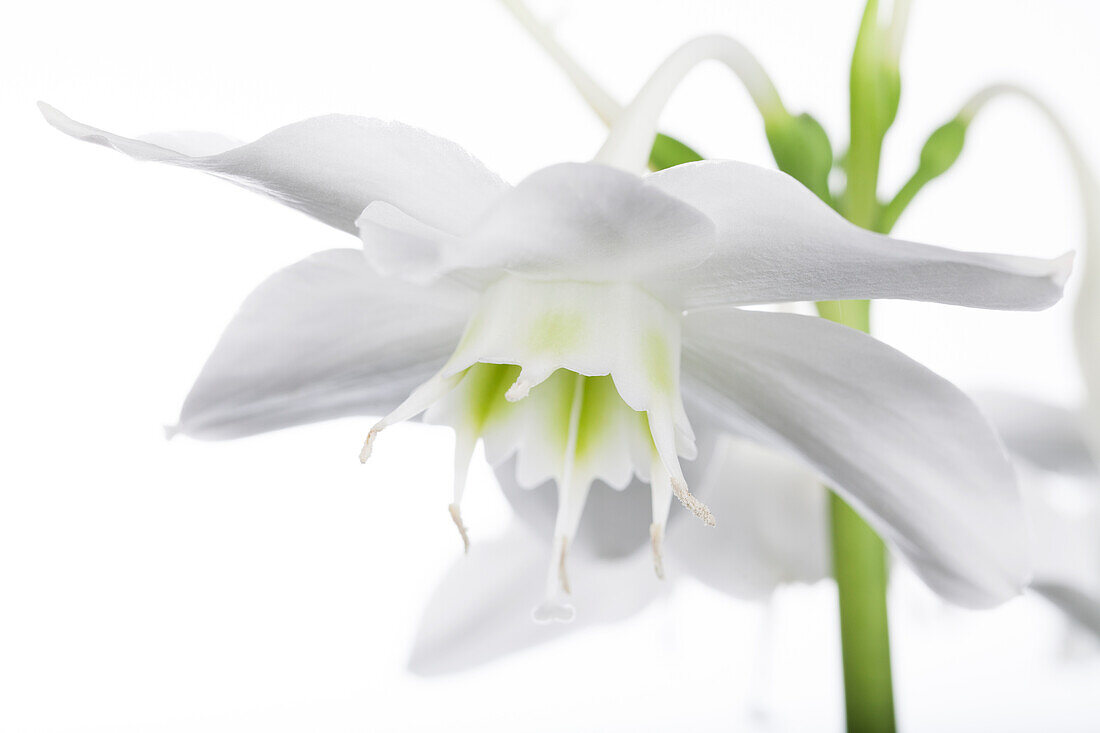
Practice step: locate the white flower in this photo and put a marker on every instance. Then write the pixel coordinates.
(1048, 443)
(569, 319)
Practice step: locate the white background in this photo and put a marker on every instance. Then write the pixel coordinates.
(274, 584)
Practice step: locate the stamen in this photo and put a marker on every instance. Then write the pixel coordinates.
(572, 493)
(421, 398)
(696, 507)
(556, 606)
(563, 577)
(660, 485)
(664, 441)
(519, 389)
(456, 516)
(527, 380)
(464, 449)
(368, 444)
(656, 537)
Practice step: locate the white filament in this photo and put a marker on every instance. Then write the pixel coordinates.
(421, 399)
(464, 450)
(664, 440)
(660, 485)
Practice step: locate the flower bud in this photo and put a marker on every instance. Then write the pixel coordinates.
(802, 150)
(942, 149)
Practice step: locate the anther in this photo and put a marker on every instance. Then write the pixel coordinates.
(696, 507)
(457, 517)
(368, 444)
(519, 389)
(563, 578)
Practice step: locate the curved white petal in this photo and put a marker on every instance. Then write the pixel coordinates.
(1050, 437)
(910, 451)
(778, 242)
(772, 528)
(323, 338)
(482, 609)
(186, 142)
(1064, 516)
(331, 167)
(1082, 607)
(572, 221)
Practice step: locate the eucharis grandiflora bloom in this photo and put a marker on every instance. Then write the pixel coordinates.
(1048, 444)
(570, 319)
(774, 528)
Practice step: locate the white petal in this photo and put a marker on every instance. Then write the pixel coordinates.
(482, 609)
(573, 221)
(1051, 437)
(189, 143)
(587, 328)
(910, 451)
(778, 242)
(323, 338)
(1064, 516)
(1081, 607)
(772, 528)
(332, 167)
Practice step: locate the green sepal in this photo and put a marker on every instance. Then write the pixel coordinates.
(668, 151)
(801, 149)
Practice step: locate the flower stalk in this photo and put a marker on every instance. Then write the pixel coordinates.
(859, 567)
(859, 554)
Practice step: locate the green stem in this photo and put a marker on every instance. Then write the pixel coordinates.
(859, 565)
(859, 555)
(891, 212)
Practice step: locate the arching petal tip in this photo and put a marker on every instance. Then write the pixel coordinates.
(170, 431)
(54, 116)
(1062, 267)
